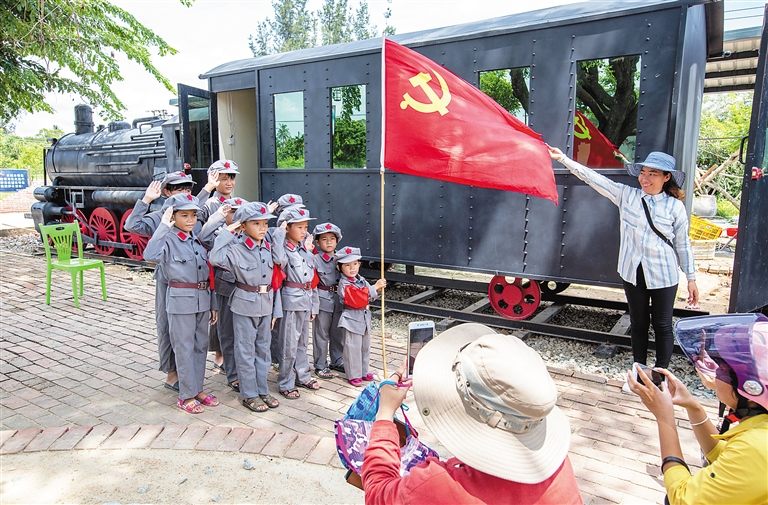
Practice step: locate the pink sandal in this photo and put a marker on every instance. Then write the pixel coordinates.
(368, 377)
(356, 382)
(192, 407)
(209, 400)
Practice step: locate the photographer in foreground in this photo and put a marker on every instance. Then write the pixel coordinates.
(489, 399)
(730, 353)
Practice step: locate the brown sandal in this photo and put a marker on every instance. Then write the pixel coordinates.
(270, 401)
(291, 394)
(250, 403)
(311, 384)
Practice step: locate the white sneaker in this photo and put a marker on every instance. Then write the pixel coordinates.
(625, 388)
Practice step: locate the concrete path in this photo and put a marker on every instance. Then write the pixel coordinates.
(86, 379)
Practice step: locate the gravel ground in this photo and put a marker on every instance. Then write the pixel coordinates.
(556, 352)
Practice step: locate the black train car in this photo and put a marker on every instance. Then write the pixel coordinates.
(663, 47)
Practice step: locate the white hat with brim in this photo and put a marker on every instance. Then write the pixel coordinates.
(529, 457)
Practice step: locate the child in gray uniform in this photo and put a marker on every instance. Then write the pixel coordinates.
(299, 300)
(226, 171)
(221, 336)
(189, 302)
(355, 322)
(144, 222)
(252, 304)
(325, 328)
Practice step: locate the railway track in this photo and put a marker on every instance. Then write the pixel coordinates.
(549, 320)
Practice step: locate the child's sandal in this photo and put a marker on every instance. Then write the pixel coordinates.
(356, 382)
(250, 404)
(192, 407)
(270, 401)
(209, 399)
(311, 384)
(291, 394)
(368, 377)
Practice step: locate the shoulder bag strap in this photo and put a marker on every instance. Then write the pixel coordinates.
(650, 222)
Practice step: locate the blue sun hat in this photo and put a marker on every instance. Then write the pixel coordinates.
(659, 161)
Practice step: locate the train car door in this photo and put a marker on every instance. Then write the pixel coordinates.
(750, 266)
(198, 116)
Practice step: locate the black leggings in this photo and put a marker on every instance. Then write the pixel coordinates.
(641, 314)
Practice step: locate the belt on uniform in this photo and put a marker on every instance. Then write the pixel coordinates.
(328, 288)
(349, 307)
(299, 285)
(262, 288)
(189, 285)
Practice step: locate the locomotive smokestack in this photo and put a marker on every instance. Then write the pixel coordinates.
(83, 119)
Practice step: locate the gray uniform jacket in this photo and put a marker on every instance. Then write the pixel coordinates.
(225, 280)
(329, 276)
(183, 259)
(299, 266)
(356, 320)
(251, 264)
(211, 205)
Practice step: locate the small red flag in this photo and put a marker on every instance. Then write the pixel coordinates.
(591, 148)
(438, 125)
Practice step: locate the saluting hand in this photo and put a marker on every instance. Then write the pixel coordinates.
(213, 180)
(272, 206)
(153, 192)
(309, 242)
(234, 227)
(168, 217)
(224, 210)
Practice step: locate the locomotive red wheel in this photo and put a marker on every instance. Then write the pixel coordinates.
(104, 223)
(514, 300)
(139, 241)
(70, 218)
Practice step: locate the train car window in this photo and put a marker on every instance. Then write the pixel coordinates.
(289, 129)
(605, 121)
(510, 88)
(348, 127)
(199, 132)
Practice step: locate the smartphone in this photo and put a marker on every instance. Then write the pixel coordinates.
(419, 333)
(656, 377)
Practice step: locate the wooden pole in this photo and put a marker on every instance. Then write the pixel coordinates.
(381, 241)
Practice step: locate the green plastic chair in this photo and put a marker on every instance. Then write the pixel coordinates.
(61, 236)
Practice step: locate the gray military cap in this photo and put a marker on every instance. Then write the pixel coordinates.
(181, 201)
(295, 214)
(327, 228)
(175, 178)
(224, 167)
(235, 203)
(347, 255)
(288, 200)
(253, 211)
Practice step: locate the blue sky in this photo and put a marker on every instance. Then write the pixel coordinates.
(212, 32)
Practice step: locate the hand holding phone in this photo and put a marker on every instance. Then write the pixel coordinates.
(419, 333)
(656, 377)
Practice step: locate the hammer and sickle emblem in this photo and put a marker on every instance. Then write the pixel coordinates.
(580, 129)
(436, 104)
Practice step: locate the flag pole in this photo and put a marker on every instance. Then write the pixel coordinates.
(381, 210)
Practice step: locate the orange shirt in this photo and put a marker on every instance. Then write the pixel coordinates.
(451, 482)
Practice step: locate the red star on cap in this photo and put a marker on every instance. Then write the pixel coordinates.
(263, 210)
(291, 199)
(348, 250)
(226, 164)
(328, 226)
(189, 197)
(301, 212)
(238, 201)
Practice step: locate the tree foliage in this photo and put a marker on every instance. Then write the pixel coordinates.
(26, 152)
(69, 46)
(290, 149)
(508, 87)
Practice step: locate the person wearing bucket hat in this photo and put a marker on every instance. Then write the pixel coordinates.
(143, 221)
(355, 321)
(190, 302)
(730, 353)
(298, 281)
(225, 172)
(326, 334)
(221, 336)
(489, 400)
(253, 302)
(654, 246)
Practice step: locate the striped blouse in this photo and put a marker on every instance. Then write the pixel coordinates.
(639, 244)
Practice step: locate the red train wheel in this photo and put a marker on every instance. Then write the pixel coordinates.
(104, 223)
(514, 300)
(70, 218)
(139, 241)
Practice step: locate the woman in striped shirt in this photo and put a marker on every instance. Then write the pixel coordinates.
(648, 259)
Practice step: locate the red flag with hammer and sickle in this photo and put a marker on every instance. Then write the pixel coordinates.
(591, 147)
(437, 125)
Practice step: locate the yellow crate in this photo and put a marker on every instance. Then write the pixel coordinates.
(701, 229)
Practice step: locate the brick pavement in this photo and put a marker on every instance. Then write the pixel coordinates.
(85, 379)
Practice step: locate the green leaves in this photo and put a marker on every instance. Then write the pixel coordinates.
(69, 46)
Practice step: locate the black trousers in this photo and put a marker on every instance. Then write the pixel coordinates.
(641, 315)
